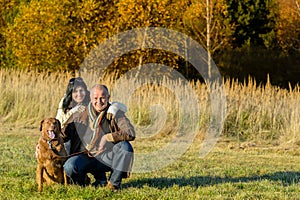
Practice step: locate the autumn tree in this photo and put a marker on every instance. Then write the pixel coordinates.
(35, 34)
(288, 26)
(145, 14)
(8, 10)
(57, 35)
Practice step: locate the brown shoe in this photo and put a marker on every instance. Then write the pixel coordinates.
(112, 187)
(87, 180)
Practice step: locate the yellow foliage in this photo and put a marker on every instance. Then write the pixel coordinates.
(195, 20)
(36, 33)
(288, 27)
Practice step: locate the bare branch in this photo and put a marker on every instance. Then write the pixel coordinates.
(213, 26)
(218, 46)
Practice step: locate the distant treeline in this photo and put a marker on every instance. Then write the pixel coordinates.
(247, 38)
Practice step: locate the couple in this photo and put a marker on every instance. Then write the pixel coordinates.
(91, 124)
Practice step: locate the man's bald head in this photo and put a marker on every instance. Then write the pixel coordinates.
(99, 97)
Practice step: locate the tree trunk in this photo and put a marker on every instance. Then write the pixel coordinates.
(208, 21)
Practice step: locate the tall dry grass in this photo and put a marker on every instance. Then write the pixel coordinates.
(261, 113)
(27, 97)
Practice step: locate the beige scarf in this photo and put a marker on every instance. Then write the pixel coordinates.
(95, 126)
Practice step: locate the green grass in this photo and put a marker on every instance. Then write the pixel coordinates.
(228, 172)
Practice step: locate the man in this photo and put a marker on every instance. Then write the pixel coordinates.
(105, 139)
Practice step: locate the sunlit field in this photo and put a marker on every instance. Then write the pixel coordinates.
(254, 112)
(257, 155)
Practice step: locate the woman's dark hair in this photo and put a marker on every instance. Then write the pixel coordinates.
(68, 102)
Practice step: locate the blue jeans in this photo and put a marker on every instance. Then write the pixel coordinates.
(75, 168)
(117, 160)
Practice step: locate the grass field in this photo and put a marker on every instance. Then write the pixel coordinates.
(256, 157)
(228, 172)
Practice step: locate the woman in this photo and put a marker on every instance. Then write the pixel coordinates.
(74, 101)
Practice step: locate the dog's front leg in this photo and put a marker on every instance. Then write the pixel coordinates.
(39, 177)
(65, 177)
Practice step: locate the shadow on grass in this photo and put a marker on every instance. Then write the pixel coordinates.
(286, 178)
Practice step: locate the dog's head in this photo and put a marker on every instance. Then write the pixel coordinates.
(50, 128)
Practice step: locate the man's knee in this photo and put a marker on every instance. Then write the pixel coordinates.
(74, 165)
(123, 146)
(69, 167)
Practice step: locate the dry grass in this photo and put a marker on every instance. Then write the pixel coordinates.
(27, 97)
(263, 112)
(254, 112)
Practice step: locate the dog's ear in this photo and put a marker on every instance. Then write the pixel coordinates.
(41, 125)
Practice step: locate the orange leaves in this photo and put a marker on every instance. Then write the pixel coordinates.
(288, 27)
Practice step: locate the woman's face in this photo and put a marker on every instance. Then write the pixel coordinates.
(78, 94)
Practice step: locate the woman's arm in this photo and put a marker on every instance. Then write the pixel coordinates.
(64, 118)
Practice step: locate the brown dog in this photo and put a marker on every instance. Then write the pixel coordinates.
(51, 154)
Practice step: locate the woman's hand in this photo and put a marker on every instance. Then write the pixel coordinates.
(78, 108)
(114, 108)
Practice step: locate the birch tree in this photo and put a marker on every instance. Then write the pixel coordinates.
(208, 22)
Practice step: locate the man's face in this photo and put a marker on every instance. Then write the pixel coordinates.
(99, 99)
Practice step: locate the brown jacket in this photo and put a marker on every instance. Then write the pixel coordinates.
(81, 134)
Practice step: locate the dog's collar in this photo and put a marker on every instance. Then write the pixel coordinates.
(49, 142)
